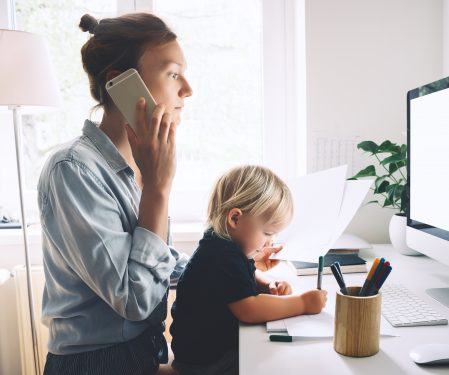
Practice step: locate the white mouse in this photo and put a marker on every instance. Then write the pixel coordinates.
(430, 354)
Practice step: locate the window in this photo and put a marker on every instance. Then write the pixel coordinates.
(42, 132)
(58, 22)
(239, 57)
(223, 120)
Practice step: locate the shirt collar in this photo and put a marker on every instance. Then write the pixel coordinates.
(105, 146)
(211, 235)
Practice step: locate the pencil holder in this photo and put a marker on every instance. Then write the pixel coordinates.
(357, 324)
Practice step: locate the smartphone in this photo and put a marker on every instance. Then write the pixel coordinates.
(125, 90)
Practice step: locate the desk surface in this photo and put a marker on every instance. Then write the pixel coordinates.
(260, 356)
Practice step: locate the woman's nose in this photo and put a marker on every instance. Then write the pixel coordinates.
(186, 90)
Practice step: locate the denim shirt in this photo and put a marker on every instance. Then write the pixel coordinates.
(104, 275)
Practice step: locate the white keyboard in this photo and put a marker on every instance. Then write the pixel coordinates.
(402, 308)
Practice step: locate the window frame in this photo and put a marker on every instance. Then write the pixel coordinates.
(284, 91)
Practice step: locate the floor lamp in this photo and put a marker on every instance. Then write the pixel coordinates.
(26, 79)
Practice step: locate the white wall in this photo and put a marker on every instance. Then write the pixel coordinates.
(362, 58)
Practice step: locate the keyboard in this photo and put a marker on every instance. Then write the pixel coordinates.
(402, 308)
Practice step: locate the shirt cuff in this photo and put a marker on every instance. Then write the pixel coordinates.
(153, 253)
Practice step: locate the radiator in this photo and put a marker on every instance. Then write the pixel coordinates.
(26, 346)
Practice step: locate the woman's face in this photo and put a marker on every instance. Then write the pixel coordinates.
(162, 69)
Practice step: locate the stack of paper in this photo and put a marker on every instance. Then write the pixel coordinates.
(317, 326)
(325, 203)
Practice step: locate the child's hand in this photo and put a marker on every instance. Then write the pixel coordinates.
(280, 288)
(314, 301)
(262, 258)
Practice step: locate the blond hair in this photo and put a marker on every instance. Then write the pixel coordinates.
(253, 189)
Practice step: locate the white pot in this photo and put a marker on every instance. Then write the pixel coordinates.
(398, 225)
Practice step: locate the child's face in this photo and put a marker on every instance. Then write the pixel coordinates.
(250, 233)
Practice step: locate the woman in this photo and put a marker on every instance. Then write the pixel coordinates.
(103, 200)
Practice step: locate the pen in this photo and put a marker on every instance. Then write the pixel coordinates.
(369, 276)
(320, 271)
(169, 236)
(281, 338)
(339, 278)
(337, 266)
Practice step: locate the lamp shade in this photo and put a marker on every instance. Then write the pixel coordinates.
(26, 73)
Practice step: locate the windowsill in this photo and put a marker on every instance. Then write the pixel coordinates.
(181, 232)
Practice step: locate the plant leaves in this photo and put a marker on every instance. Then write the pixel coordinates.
(393, 167)
(404, 150)
(393, 159)
(373, 201)
(368, 146)
(382, 187)
(388, 146)
(404, 200)
(369, 171)
(394, 192)
(387, 202)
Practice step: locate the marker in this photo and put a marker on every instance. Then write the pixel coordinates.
(369, 277)
(375, 276)
(339, 278)
(281, 338)
(381, 279)
(320, 272)
(375, 279)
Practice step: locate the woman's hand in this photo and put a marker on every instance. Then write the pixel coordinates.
(153, 147)
(262, 259)
(280, 288)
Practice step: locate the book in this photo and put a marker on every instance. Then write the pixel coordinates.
(343, 251)
(349, 263)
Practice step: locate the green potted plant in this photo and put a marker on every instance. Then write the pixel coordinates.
(390, 186)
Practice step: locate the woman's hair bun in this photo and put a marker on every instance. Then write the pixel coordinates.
(88, 23)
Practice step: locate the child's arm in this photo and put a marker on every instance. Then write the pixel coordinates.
(264, 307)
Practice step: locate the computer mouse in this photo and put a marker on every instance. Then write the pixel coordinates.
(430, 354)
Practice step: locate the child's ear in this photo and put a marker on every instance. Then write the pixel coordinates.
(233, 217)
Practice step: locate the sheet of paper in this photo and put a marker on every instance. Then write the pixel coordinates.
(317, 199)
(353, 196)
(306, 241)
(322, 326)
(350, 241)
(276, 326)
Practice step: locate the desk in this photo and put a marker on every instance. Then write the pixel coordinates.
(259, 356)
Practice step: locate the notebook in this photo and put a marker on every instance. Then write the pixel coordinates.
(349, 263)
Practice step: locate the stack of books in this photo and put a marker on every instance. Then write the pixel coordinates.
(350, 262)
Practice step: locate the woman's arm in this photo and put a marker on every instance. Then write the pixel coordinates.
(82, 220)
(181, 259)
(264, 307)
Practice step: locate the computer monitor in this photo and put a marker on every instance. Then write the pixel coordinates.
(428, 174)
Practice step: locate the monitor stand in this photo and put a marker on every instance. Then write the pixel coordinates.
(440, 294)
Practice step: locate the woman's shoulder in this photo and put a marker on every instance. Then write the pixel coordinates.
(76, 155)
(76, 152)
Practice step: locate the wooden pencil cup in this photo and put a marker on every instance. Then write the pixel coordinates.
(357, 324)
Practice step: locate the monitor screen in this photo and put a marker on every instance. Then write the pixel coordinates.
(428, 157)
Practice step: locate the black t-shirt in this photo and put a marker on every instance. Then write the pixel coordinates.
(203, 327)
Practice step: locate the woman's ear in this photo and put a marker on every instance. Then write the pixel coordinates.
(233, 218)
(112, 74)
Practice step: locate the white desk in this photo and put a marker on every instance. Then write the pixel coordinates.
(259, 356)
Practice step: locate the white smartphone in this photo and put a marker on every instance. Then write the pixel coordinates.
(125, 90)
